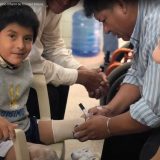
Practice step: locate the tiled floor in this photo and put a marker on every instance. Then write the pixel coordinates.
(78, 94)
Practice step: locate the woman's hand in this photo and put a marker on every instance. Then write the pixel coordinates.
(93, 129)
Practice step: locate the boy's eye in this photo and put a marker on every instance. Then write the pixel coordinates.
(12, 36)
(28, 38)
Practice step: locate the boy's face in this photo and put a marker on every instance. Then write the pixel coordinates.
(15, 43)
(117, 20)
(58, 6)
(156, 54)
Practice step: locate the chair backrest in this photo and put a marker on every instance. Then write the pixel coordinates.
(39, 84)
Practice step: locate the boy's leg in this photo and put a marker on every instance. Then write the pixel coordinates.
(53, 131)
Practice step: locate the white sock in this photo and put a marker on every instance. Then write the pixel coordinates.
(63, 129)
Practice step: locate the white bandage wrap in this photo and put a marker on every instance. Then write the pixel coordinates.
(63, 129)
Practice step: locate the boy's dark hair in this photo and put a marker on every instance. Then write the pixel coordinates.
(91, 6)
(21, 14)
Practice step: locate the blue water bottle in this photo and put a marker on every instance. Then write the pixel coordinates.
(85, 35)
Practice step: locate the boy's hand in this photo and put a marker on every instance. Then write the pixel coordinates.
(7, 129)
(93, 129)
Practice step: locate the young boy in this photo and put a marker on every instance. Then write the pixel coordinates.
(18, 31)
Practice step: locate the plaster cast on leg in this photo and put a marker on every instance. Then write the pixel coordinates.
(63, 129)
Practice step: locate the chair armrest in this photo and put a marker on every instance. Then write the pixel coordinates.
(39, 84)
(20, 145)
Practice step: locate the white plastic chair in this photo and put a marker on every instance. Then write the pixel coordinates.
(39, 84)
